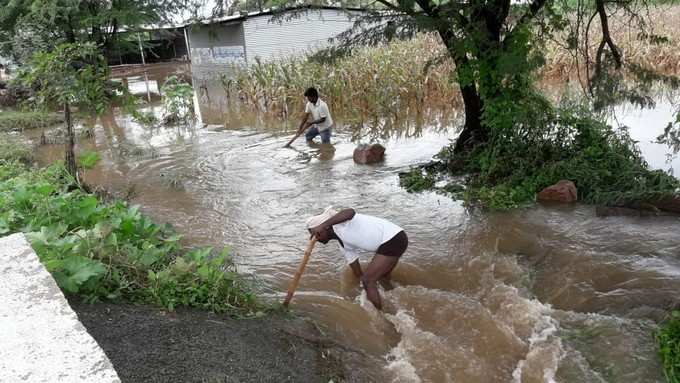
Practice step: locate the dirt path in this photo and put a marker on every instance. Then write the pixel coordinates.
(148, 345)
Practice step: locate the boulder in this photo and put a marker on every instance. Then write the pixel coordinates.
(369, 154)
(563, 191)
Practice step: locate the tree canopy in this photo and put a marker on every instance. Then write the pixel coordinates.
(27, 26)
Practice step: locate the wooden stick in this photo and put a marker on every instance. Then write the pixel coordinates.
(298, 134)
(298, 273)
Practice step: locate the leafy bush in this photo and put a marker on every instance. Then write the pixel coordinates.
(668, 338)
(109, 251)
(177, 98)
(534, 145)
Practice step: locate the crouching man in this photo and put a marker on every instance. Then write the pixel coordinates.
(358, 232)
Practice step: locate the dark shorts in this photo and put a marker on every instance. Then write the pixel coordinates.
(314, 131)
(395, 247)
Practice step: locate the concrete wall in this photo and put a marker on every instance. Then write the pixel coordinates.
(215, 48)
(41, 338)
(273, 40)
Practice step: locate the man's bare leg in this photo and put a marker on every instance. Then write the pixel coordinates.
(386, 280)
(380, 266)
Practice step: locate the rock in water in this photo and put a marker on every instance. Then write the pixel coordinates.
(369, 154)
(562, 191)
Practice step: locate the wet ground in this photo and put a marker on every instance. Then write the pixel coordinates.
(548, 293)
(146, 344)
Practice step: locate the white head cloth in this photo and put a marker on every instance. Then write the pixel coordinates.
(321, 218)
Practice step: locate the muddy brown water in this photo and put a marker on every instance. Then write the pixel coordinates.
(544, 294)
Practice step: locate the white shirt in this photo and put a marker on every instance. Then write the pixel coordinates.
(364, 233)
(318, 111)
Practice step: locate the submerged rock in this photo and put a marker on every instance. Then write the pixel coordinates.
(563, 191)
(369, 154)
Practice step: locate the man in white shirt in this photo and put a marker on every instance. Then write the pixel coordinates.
(317, 118)
(359, 232)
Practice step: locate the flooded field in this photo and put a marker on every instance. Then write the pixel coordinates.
(549, 293)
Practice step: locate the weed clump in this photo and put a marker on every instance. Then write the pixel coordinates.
(668, 338)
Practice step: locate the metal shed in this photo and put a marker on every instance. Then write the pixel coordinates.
(217, 45)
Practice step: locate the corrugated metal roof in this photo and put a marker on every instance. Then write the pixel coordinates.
(269, 12)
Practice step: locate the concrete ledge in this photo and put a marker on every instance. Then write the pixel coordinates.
(41, 338)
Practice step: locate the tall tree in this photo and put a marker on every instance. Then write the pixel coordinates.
(79, 21)
(494, 44)
(70, 76)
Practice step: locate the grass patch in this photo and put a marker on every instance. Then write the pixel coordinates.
(108, 251)
(19, 120)
(668, 338)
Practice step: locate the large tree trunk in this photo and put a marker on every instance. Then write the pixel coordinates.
(70, 160)
(474, 132)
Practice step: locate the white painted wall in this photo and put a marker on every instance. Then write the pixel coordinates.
(215, 48)
(311, 31)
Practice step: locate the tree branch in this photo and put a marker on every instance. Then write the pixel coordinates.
(534, 7)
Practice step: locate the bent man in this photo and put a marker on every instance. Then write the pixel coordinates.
(317, 118)
(359, 232)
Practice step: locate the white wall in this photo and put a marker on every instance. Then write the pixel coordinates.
(274, 40)
(215, 48)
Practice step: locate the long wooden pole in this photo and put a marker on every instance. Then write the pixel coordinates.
(296, 279)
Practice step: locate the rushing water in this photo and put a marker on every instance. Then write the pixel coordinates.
(549, 293)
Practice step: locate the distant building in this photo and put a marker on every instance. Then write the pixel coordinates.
(216, 45)
(159, 44)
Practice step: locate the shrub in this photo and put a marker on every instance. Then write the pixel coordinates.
(668, 338)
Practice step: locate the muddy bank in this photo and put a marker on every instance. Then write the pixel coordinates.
(146, 344)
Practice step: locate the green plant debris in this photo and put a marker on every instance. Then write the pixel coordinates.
(668, 338)
(416, 180)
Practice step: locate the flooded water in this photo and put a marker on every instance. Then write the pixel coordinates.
(545, 294)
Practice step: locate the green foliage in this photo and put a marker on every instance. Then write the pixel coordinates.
(416, 180)
(177, 98)
(13, 151)
(19, 120)
(668, 338)
(29, 26)
(671, 135)
(110, 250)
(73, 74)
(539, 145)
(88, 159)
